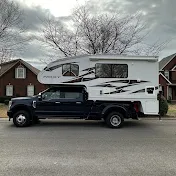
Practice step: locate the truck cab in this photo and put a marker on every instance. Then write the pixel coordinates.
(63, 101)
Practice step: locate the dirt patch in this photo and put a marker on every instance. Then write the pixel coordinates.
(3, 111)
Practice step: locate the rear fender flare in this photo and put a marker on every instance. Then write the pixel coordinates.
(117, 108)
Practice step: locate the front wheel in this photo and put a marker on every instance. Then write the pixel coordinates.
(21, 119)
(114, 120)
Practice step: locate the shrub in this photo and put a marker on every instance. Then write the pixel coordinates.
(163, 106)
(169, 100)
(3, 99)
(6, 102)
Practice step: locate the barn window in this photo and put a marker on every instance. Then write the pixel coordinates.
(9, 90)
(111, 70)
(70, 70)
(30, 90)
(20, 72)
(166, 73)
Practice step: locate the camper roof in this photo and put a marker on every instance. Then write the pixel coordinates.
(111, 57)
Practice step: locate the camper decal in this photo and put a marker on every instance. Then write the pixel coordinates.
(120, 89)
(110, 84)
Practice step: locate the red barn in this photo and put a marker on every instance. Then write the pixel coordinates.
(19, 78)
(167, 77)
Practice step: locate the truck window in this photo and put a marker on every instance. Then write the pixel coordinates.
(62, 93)
(71, 95)
(70, 70)
(51, 94)
(111, 70)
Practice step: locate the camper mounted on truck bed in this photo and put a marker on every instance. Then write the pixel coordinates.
(93, 87)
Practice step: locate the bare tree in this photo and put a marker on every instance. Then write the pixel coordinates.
(11, 29)
(5, 55)
(93, 34)
(58, 37)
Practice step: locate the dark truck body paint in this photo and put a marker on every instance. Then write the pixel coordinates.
(79, 108)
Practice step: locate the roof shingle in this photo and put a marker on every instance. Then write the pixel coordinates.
(4, 67)
(165, 60)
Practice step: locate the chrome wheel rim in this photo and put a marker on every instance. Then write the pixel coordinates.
(21, 119)
(115, 120)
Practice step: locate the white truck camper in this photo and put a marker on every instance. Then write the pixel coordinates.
(109, 78)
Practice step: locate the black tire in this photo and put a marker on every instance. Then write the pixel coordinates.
(21, 119)
(117, 122)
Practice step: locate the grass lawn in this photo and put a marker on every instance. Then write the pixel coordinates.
(3, 110)
(171, 111)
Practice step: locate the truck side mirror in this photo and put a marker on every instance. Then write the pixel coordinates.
(39, 96)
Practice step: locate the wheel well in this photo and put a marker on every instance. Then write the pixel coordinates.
(115, 109)
(22, 108)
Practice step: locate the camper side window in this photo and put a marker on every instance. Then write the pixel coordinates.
(70, 70)
(111, 70)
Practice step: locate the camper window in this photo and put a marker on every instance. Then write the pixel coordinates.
(70, 70)
(111, 70)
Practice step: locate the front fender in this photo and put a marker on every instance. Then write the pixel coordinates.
(24, 107)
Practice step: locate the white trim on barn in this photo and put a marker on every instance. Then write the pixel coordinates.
(20, 72)
(165, 78)
(174, 68)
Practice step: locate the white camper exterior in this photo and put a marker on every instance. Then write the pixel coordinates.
(109, 78)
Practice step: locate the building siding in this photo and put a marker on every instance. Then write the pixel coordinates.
(172, 79)
(173, 76)
(173, 92)
(163, 83)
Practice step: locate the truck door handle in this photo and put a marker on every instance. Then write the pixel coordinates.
(57, 102)
(78, 102)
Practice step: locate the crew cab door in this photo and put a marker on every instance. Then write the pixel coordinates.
(48, 104)
(72, 103)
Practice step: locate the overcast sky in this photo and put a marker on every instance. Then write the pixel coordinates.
(160, 15)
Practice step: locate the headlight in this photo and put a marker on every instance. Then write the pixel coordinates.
(10, 104)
